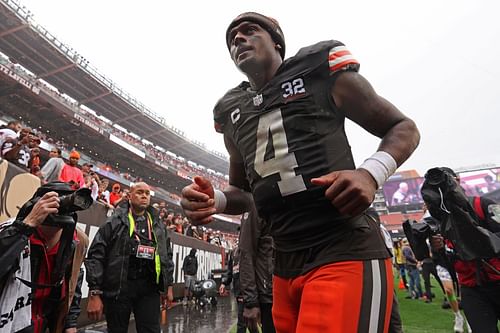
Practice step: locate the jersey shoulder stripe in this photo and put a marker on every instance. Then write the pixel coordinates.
(339, 57)
(332, 52)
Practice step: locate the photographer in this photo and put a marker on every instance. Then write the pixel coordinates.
(436, 263)
(41, 253)
(469, 234)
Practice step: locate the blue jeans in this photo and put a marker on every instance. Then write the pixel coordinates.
(402, 273)
(415, 289)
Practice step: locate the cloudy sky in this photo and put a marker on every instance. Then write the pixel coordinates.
(438, 61)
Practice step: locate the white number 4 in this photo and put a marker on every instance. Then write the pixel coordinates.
(283, 162)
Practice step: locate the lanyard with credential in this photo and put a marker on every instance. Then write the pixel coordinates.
(134, 225)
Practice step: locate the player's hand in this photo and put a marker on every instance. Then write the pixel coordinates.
(170, 296)
(95, 308)
(437, 242)
(47, 204)
(350, 191)
(164, 301)
(251, 316)
(198, 201)
(25, 140)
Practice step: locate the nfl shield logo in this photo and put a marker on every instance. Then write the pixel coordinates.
(257, 100)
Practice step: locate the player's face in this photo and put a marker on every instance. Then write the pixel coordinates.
(251, 46)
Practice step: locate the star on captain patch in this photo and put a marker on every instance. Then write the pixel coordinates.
(257, 100)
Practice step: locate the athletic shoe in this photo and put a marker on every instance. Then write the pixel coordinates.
(459, 323)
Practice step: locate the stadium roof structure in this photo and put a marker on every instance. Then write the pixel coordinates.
(27, 43)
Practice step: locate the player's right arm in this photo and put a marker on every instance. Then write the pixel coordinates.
(198, 199)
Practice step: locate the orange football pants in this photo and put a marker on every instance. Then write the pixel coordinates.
(342, 297)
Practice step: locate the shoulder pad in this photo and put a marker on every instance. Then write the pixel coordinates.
(225, 105)
(338, 56)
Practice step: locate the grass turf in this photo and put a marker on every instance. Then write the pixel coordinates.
(421, 317)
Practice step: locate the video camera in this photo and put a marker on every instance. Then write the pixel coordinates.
(419, 233)
(456, 217)
(70, 201)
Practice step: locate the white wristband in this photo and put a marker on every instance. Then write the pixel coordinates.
(380, 165)
(220, 201)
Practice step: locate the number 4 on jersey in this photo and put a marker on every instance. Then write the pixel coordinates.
(283, 162)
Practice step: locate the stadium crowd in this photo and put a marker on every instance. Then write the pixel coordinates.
(20, 145)
(186, 169)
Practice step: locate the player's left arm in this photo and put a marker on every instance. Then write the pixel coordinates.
(352, 191)
(355, 97)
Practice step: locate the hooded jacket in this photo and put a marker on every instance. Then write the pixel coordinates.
(190, 263)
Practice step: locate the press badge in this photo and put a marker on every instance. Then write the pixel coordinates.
(145, 252)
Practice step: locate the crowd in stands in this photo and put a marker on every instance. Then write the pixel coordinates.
(23, 150)
(186, 169)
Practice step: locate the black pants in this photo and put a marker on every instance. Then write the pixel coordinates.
(266, 318)
(143, 299)
(395, 324)
(482, 307)
(429, 268)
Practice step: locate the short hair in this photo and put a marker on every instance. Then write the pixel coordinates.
(134, 185)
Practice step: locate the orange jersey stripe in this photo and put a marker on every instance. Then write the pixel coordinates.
(337, 54)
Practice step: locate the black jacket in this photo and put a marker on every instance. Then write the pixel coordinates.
(190, 263)
(233, 272)
(13, 239)
(256, 260)
(107, 261)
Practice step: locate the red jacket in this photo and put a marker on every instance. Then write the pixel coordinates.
(467, 270)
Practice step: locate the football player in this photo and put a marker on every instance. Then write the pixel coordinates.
(284, 131)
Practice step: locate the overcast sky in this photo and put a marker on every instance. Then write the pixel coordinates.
(437, 61)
